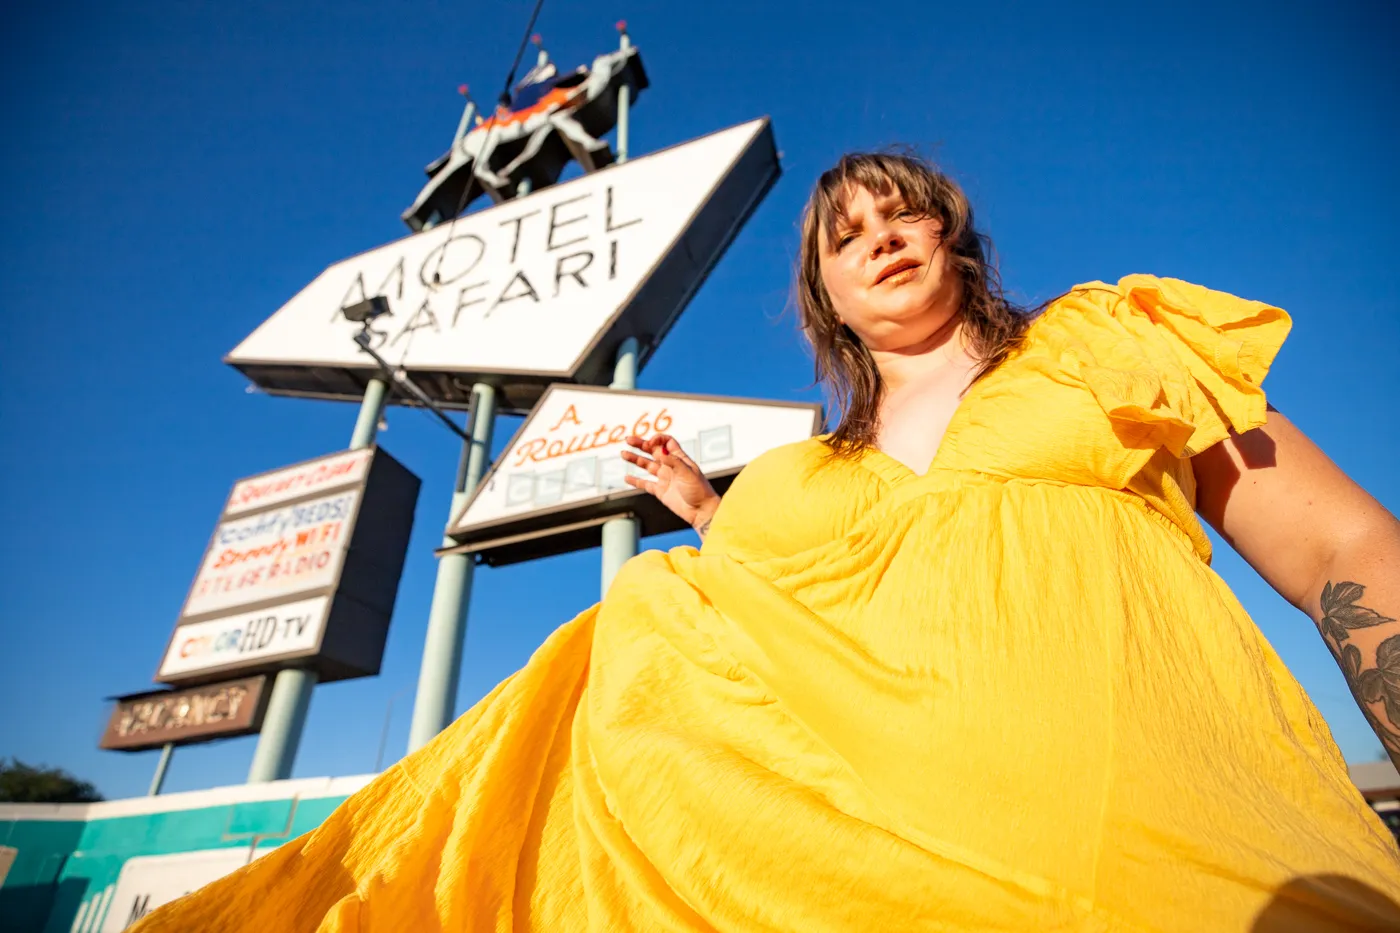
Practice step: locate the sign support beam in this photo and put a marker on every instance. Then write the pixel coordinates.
(281, 731)
(158, 779)
(624, 101)
(291, 691)
(371, 410)
(621, 535)
(436, 701)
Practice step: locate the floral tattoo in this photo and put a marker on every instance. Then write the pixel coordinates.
(1342, 614)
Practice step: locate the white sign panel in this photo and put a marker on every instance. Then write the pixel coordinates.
(260, 492)
(281, 631)
(531, 285)
(273, 554)
(567, 452)
(150, 881)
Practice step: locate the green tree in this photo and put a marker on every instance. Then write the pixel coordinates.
(22, 783)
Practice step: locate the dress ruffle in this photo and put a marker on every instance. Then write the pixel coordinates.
(1174, 365)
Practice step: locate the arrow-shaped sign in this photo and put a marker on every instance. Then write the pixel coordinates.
(539, 289)
(561, 475)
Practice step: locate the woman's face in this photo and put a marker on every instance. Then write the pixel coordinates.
(887, 274)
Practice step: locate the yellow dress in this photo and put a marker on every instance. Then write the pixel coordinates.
(1009, 694)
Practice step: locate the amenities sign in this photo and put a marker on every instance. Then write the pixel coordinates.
(562, 475)
(536, 290)
(269, 489)
(303, 567)
(271, 554)
(247, 637)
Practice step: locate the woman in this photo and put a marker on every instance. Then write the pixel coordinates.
(959, 665)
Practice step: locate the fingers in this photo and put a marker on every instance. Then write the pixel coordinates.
(651, 466)
(666, 451)
(636, 482)
(649, 444)
(673, 449)
(664, 447)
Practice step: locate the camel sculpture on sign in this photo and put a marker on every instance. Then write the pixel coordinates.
(548, 120)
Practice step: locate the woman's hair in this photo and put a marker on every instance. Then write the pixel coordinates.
(992, 326)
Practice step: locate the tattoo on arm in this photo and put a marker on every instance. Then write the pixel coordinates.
(1342, 614)
(703, 529)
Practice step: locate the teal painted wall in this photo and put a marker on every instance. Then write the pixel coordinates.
(31, 886)
(66, 870)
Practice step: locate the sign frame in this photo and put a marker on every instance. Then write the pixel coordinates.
(249, 721)
(647, 313)
(549, 531)
(341, 650)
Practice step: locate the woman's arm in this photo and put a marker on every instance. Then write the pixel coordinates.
(1324, 544)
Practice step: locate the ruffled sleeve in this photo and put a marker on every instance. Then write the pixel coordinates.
(1176, 365)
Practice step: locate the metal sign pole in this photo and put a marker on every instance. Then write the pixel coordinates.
(291, 691)
(158, 779)
(281, 731)
(620, 535)
(371, 410)
(624, 100)
(447, 618)
(436, 702)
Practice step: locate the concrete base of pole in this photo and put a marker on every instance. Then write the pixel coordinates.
(281, 731)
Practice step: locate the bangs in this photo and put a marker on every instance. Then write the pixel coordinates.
(881, 174)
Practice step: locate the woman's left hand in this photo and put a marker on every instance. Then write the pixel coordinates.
(678, 481)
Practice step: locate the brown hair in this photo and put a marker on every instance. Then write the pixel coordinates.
(992, 326)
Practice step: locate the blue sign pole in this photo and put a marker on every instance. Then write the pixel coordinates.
(436, 701)
(158, 779)
(624, 101)
(621, 535)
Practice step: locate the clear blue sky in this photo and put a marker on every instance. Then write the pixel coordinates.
(174, 172)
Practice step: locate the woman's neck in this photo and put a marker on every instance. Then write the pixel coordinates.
(930, 358)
